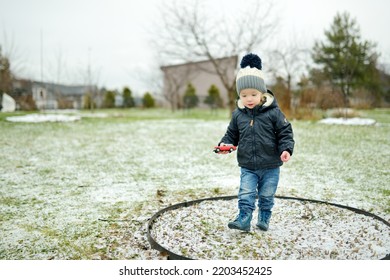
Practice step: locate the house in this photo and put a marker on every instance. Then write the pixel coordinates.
(32, 95)
(201, 75)
(57, 96)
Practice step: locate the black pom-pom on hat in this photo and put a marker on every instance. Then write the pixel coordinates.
(251, 60)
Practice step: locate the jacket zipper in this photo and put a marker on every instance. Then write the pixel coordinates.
(253, 118)
(254, 138)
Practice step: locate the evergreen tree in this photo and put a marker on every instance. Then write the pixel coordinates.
(109, 99)
(213, 98)
(190, 98)
(346, 59)
(148, 100)
(128, 100)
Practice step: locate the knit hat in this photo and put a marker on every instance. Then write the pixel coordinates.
(250, 74)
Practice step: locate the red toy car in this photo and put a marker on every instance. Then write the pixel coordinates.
(227, 148)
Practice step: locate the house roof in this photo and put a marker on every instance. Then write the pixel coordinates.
(197, 62)
(65, 89)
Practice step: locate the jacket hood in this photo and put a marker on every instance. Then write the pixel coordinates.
(270, 101)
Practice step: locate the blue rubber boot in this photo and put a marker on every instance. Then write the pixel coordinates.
(242, 221)
(263, 219)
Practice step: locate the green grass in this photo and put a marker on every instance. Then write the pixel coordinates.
(381, 115)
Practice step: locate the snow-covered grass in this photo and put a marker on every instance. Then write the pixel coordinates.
(85, 189)
(348, 121)
(299, 230)
(36, 118)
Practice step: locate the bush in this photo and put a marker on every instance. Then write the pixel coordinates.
(148, 100)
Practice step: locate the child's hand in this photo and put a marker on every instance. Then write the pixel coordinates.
(285, 156)
(223, 152)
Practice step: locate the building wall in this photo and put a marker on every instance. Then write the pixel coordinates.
(201, 75)
(43, 98)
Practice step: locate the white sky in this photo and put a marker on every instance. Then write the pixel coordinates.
(113, 35)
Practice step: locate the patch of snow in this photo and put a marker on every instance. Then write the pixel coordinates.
(94, 115)
(38, 118)
(348, 121)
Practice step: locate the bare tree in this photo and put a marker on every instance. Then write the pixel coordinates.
(289, 62)
(175, 79)
(11, 51)
(58, 66)
(11, 64)
(55, 70)
(89, 75)
(5, 75)
(188, 33)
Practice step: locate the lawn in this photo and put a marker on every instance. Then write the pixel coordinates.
(86, 189)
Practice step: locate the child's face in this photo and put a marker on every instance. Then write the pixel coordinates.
(250, 97)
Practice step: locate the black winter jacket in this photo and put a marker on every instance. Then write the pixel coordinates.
(261, 134)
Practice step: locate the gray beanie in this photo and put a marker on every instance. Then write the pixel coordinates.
(250, 74)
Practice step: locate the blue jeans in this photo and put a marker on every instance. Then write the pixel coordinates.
(262, 182)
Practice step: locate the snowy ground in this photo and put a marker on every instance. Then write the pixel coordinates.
(348, 121)
(86, 189)
(37, 118)
(299, 230)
